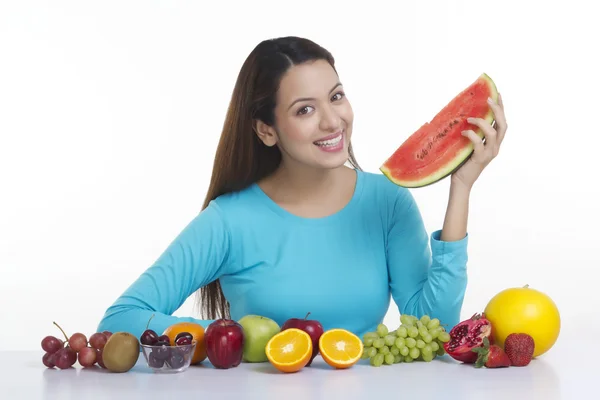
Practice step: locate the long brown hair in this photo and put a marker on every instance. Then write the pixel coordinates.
(242, 158)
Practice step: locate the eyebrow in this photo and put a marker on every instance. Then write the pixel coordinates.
(312, 98)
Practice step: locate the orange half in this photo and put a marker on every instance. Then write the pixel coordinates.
(289, 350)
(340, 348)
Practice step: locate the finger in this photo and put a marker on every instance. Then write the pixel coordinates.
(478, 146)
(502, 133)
(490, 134)
(500, 119)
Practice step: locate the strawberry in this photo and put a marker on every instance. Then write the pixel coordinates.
(519, 348)
(492, 356)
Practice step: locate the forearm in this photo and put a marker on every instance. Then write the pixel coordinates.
(443, 283)
(428, 274)
(132, 319)
(457, 213)
(198, 255)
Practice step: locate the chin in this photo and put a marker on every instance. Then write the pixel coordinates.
(334, 161)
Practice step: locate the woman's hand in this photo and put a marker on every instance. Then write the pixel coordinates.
(483, 153)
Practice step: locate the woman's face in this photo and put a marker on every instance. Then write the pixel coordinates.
(313, 118)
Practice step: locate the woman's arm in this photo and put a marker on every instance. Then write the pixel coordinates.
(433, 281)
(198, 256)
(428, 275)
(455, 222)
(457, 212)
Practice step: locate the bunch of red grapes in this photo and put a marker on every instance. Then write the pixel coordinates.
(64, 354)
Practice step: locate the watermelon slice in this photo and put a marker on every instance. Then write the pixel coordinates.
(437, 148)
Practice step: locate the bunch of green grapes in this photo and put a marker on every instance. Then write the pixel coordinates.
(415, 339)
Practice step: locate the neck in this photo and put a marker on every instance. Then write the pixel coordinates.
(300, 182)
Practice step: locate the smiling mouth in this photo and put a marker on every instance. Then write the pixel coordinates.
(331, 141)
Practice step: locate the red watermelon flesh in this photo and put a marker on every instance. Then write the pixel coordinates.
(437, 148)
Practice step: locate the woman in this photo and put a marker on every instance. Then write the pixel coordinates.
(287, 228)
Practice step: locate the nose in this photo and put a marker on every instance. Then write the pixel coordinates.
(330, 119)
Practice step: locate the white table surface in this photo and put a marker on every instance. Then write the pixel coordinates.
(559, 374)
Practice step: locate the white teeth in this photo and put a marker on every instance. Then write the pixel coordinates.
(330, 142)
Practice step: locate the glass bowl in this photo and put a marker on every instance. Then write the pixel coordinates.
(169, 359)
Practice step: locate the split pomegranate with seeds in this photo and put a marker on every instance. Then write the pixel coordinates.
(466, 336)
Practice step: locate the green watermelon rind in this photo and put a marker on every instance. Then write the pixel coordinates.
(459, 160)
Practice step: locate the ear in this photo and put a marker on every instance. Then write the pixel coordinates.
(266, 133)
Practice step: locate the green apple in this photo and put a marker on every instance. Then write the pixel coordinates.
(258, 330)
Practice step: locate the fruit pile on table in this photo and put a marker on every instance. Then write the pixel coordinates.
(415, 339)
(518, 324)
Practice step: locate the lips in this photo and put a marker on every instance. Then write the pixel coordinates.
(330, 137)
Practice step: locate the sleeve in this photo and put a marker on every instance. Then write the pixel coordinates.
(427, 275)
(199, 255)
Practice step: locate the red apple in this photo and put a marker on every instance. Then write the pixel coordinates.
(224, 340)
(310, 326)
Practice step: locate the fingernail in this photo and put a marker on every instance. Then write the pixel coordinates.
(470, 119)
(490, 100)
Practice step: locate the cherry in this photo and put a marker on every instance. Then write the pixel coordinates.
(164, 338)
(176, 360)
(184, 334)
(149, 337)
(155, 362)
(183, 341)
(161, 350)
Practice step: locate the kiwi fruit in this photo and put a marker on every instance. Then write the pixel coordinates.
(121, 352)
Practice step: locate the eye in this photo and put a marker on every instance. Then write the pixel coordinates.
(339, 94)
(303, 110)
(306, 109)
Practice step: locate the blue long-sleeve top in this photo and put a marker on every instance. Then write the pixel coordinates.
(343, 268)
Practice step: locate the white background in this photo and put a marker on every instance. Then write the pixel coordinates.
(110, 113)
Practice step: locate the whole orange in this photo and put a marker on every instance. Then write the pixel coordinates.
(197, 332)
(524, 310)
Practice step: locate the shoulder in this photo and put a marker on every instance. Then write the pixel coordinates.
(379, 189)
(383, 200)
(234, 205)
(243, 209)
(221, 218)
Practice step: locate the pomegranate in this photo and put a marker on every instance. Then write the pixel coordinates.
(466, 336)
